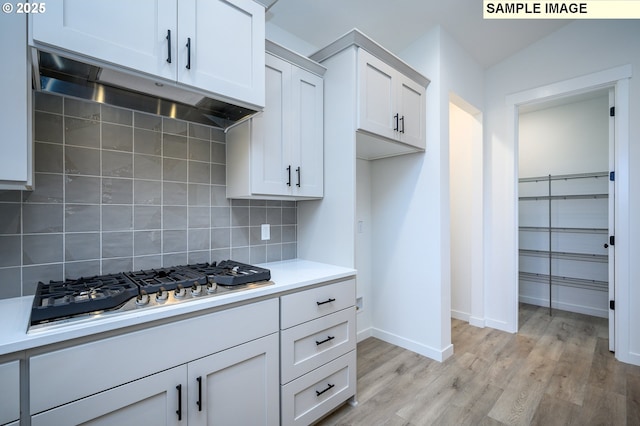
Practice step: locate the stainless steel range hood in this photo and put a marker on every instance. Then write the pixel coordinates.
(70, 77)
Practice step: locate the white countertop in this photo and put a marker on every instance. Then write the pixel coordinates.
(287, 275)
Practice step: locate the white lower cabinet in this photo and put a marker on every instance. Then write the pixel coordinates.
(317, 351)
(10, 392)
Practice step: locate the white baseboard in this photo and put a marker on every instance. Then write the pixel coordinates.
(363, 334)
(499, 325)
(462, 316)
(433, 353)
(629, 358)
(477, 322)
(563, 306)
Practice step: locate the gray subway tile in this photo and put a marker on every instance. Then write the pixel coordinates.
(258, 254)
(240, 203)
(241, 254)
(147, 121)
(255, 236)
(147, 142)
(117, 244)
(276, 235)
(82, 217)
(82, 189)
(199, 131)
(11, 196)
(174, 241)
(113, 266)
(82, 161)
(81, 132)
(274, 203)
(240, 236)
(174, 146)
(173, 259)
(198, 239)
(83, 268)
(218, 153)
(220, 238)
(240, 216)
(147, 192)
(288, 233)
(257, 216)
(42, 218)
(289, 216)
(199, 172)
(116, 115)
(117, 218)
(218, 174)
(117, 191)
(44, 248)
(274, 216)
(174, 217)
(257, 203)
(48, 158)
(274, 253)
(220, 254)
(48, 188)
(289, 251)
(81, 246)
(219, 196)
(117, 137)
(199, 256)
(176, 127)
(218, 135)
(10, 250)
(48, 102)
(147, 242)
(220, 217)
(147, 262)
(147, 167)
(117, 164)
(174, 170)
(147, 217)
(199, 150)
(10, 282)
(10, 216)
(199, 217)
(48, 127)
(174, 194)
(291, 204)
(199, 195)
(31, 275)
(81, 109)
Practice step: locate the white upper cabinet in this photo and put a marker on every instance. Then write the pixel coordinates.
(278, 154)
(389, 103)
(16, 161)
(215, 46)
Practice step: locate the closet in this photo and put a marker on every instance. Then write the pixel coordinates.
(564, 198)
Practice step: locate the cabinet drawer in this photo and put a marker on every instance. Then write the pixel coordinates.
(9, 391)
(313, 395)
(310, 304)
(110, 362)
(309, 345)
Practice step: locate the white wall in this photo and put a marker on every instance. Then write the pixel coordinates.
(364, 244)
(578, 49)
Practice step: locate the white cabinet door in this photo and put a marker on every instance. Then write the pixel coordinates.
(307, 145)
(226, 54)
(140, 35)
(159, 399)
(376, 97)
(9, 391)
(238, 386)
(271, 133)
(16, 162)
(411, 109)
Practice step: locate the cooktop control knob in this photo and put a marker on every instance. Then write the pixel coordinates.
(211, 287)
(196, 290)
(142, 299)
(179, 292)
(162, 295)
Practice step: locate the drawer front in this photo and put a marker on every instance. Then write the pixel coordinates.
(116, 360)
(315, 394)
(310, 304)
(9, 391)
(314, 343)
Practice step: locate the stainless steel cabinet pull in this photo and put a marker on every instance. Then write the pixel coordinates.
(326, 301)
(328, 339)
(168, 46)
(329, 386)
(188, 53)
(298, 171)
(199, 401)
(179, 410)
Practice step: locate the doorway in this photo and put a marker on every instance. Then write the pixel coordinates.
(565, 154)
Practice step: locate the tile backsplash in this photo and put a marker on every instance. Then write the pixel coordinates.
(118, 190)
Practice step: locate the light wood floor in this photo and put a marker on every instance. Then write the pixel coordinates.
(555, 371)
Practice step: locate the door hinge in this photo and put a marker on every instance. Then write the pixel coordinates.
(612, 305)
(612, 176)
(612, 111)
(612, 240)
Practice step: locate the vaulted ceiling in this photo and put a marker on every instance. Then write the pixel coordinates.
(396, 24)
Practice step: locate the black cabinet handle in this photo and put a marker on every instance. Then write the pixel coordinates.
(289, 172)
(199, 401)
(298, 171)
(328, 339)
(402, 119)
(179, 410)
(188, 53)
(326, 301)
(168, 46)
(396, 118)
(329, 386)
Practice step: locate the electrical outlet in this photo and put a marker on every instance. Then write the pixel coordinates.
(265, 231)
(359, 304)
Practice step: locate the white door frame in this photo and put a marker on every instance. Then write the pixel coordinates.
(618, 78)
